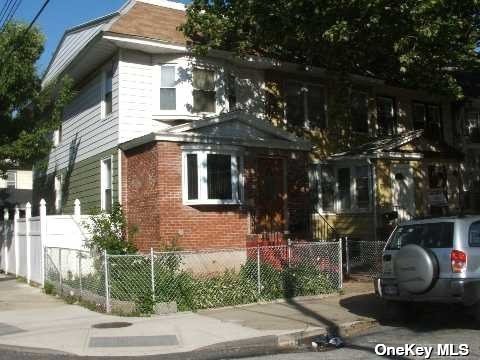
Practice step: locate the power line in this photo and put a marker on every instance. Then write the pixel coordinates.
(5, 10)
(11, 14)
(19, 41)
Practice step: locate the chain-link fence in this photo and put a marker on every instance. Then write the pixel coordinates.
(183, 280)
(363, 257)
(76, 273)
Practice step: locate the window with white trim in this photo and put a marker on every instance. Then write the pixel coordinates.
(344, 188)
(212, 177)
(58, 193)
(204, 94)
(11, 179)
(106, 184)
(168, 91)
(305, 105)
(57, 136)
(107, 100)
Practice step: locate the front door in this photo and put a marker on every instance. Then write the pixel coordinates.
(271, 195)
(403, 191)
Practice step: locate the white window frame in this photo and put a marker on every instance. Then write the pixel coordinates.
(353, 189)
(7, 182)
(236, 171)
(159, 67)
(103, 106)
(58, 192)
(304, 85)
(102, 184)
(216, 75)
(57, 136)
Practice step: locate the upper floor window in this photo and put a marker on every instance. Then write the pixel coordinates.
(305, 105)
(58, 193)
(106, 184)
(386, 116)
(212, 177)
(108, 93)
(232, 92)
(168, 91)
(204, 94)
(427, 117)
(473, 125)
(359, 111)
(11, 179)
(57, 136)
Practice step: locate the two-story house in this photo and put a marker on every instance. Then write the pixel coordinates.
(215, 151)
(15, 191)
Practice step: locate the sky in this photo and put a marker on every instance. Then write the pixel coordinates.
(59, 15)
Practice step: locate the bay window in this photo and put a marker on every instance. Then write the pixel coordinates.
(212, 177)
(344, 188)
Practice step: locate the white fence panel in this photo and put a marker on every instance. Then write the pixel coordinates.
(22, 247)
(36, 251)
(66, 232)
(3, 246)
(12, 248)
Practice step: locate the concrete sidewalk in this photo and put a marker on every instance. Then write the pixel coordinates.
(28, 318)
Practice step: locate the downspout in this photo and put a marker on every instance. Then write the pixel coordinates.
(374, 196)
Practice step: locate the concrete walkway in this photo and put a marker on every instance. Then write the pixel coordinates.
(28, 318)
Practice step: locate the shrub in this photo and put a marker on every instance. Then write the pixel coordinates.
(49, 288)
(110, 232)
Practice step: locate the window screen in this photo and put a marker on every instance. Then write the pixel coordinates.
(192, 176)
(204, 90)
(168, 95)
(219, 176)
(359, 111)
(385, 116)
(362, 186)
(327, 183)
(108, 92)
(344, 188)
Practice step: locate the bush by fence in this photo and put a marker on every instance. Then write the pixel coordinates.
(196, 280)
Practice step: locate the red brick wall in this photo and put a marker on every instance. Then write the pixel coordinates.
(152, 200)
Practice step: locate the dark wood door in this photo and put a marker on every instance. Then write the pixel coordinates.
(271, 195)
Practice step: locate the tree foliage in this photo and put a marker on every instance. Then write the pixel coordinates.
(413, 43)
(110, 231)
(28, 112)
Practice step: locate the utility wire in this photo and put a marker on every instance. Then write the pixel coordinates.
(5, 10)
(12, 13)
(19, 41)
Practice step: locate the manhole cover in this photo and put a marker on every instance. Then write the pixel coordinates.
(111, 325)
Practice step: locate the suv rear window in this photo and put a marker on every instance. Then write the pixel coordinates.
(430, 235)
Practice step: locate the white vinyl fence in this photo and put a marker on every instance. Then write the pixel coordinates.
(23, 240)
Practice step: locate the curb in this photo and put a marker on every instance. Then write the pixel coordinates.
(258, 346)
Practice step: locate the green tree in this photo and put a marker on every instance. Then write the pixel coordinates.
(110, 231)
(28, 112)
(412, 43)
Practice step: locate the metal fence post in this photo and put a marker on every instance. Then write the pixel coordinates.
(259, 285)
(80, 273)
(152, 268)
(60, 270)
(340, 265)
(107, 290)
(347, 256)
(289, 248)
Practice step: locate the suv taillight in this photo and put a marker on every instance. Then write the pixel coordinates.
(459, 261)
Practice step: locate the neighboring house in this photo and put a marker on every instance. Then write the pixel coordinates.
(218, 150)
(467, 134)
(15, 190)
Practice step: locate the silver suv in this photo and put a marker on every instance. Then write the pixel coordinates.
(432, 260)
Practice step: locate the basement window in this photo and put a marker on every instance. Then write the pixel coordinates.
(212, 177)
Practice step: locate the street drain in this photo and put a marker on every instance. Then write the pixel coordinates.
(112, 325)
